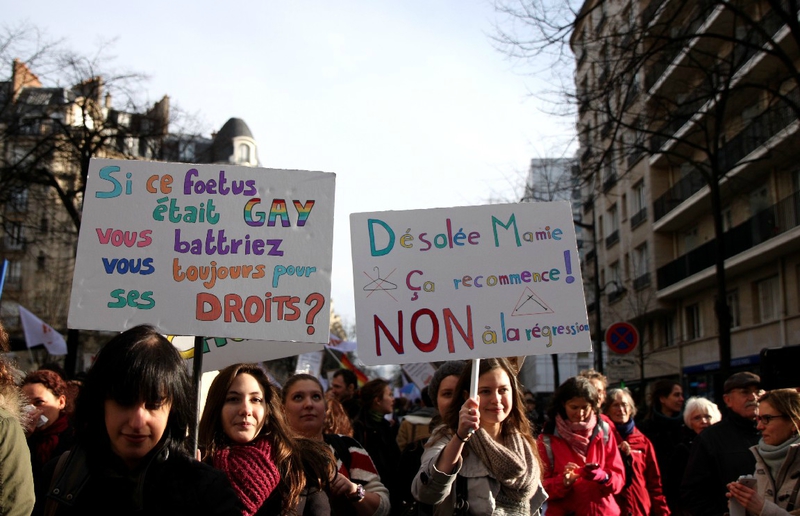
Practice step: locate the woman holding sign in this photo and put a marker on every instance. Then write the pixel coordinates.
(583, 468)
(243, 433)
(483, 459)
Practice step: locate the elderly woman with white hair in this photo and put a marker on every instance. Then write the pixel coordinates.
(698, 414)
(642, 494)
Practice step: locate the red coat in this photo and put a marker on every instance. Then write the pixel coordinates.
(643, 497)
(584, 497)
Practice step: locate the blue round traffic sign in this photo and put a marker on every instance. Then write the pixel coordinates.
(622, 337)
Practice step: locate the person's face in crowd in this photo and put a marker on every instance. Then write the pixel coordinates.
(699, 421)
(135, 429)
(340, 390)
(780, 427)
(384, 404)
(619, 411)
(743, 401)
(444, 396)
(530, 403)
(244, 410)
(494, 396)
(673, 402)
(45, 402)
(305, 408)
(579, 410)
(601, 391)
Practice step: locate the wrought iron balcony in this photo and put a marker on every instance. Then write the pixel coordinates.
(642, 281)
(612, 239)
(639, 217)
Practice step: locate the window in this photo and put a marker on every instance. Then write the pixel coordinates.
(612, 220)
(624, 207)
(668, 327)
(727, 219)
(18, 200)
(733, 306)
(641, 267)
(690, 239)
(244, 153)
(15, 236)
(43, 225)
(693, 328)
(41, 261)
(767, 300)
(14, 275)
(638, 204)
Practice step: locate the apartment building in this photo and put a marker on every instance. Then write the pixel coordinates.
(688, 120)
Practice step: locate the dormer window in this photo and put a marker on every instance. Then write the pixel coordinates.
(243, 153)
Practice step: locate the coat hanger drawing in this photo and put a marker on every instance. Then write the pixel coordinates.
(379, 283)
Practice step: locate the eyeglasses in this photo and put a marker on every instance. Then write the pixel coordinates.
(766, 418)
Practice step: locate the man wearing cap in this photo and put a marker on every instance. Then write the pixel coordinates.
(720, 453)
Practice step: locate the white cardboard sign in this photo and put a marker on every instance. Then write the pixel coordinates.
(469, 282)
(214, 250)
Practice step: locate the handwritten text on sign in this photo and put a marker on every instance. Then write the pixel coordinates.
(210, 250)
(471, 282)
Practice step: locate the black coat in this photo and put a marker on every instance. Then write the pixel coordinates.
(163, 485)
(719, 455)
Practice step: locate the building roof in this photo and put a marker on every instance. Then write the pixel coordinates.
(222, 146)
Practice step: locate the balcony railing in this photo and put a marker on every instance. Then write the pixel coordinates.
(612, 239)
(642, 281)
(639, 217)
(761, 227)
(680, 191)
(615, 295)
(758, 132)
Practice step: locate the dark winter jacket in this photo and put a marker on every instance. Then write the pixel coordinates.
(719, 455)
(163, 485)
(643, 495)
(379, 438)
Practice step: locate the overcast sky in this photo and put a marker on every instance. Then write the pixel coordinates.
(406, 101)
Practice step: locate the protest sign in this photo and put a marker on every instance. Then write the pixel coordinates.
(219, 352)
(213, 250)
(467, 283)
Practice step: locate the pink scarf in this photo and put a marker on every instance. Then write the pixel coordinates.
(577, 435)
(252, 471)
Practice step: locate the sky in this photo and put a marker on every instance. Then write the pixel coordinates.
(407, 101)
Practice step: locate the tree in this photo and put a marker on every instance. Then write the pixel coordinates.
(58, 110)
(672, 81)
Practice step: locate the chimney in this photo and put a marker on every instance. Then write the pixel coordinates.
(21, 78)
(108, 101)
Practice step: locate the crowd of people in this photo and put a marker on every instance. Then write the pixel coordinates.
(122, 446)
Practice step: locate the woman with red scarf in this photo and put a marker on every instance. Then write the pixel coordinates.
(244, 433)
(583, 468)
(50, 432)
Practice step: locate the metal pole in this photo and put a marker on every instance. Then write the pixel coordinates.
(197, 373)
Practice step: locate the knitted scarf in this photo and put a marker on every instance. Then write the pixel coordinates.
(513, 464)
(624, 429)
(774, 455)
(577, 435)
(251, 470)
(44, 442)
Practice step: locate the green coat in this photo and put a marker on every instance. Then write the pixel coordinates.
(16, 476)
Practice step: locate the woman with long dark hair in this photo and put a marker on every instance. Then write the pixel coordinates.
(583, 468)
(483, 459)
(243, 432)
(131, 421)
